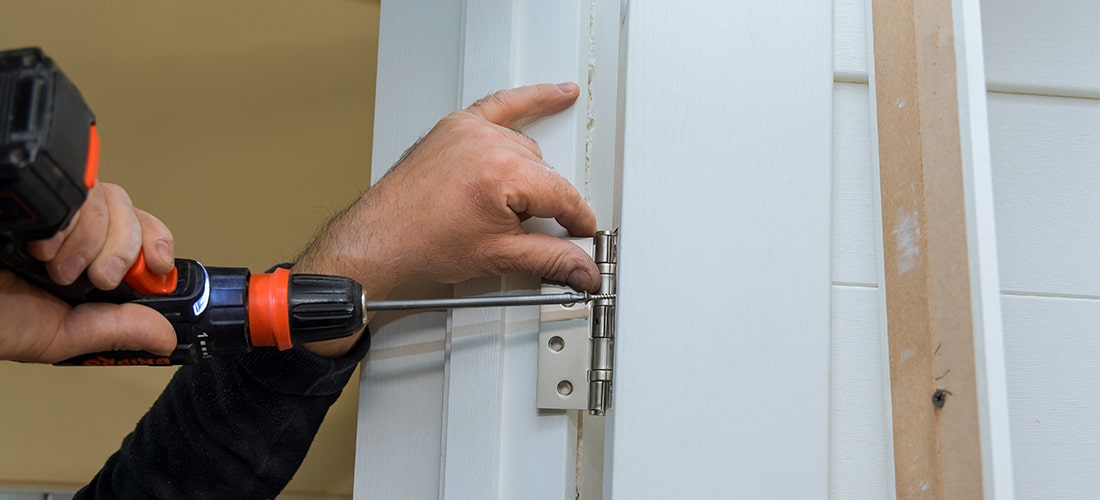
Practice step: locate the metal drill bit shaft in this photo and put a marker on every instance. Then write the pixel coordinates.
(495, 301)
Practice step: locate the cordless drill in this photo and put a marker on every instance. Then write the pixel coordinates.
(49, 157)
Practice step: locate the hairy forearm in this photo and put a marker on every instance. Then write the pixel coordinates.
(339, 250)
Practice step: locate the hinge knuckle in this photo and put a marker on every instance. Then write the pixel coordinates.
(601, 374)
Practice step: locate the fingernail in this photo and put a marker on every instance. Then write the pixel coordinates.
(164, 251)
(115, 268)
(566, 87)
(71, 269)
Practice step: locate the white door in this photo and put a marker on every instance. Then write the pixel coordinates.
(722, 369)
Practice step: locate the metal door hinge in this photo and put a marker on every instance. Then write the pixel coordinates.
(577, 342)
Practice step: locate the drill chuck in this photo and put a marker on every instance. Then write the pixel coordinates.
(286, 309)
(324, 307)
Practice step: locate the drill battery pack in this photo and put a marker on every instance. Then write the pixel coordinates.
(49, 151)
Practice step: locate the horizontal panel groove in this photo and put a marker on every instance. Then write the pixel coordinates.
(1038, 92)
(850, 78)
(1072, 296)
(846, 284)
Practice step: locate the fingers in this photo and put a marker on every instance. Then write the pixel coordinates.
(514, 108)
(157, 243)
(123, 240)
(105, 237)
(40, 328)
(552, 258)
(523, 140)
(46, 250)
(84, 241)
(108, 327)
(541, 192)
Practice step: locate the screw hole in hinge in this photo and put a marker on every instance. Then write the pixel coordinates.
(565, 388)
(556, 344)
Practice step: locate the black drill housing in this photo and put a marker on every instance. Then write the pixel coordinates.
(44, 137)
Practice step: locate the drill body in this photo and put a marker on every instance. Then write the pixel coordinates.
(49, 158)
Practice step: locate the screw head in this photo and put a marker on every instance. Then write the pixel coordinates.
(939, 398)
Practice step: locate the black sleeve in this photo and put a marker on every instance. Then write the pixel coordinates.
(233, 427)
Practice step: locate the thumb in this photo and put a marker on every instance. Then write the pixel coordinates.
(108, 327)
(515, 108)
(552, 258)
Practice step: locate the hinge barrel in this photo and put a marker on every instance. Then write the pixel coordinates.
(601, 373)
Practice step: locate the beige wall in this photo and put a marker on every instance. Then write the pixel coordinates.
(243, 125)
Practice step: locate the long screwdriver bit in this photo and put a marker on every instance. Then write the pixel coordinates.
(494, 301)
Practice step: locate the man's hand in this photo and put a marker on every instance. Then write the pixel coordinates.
(105, 238)
(451, 209)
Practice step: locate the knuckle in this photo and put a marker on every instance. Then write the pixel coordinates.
(535, 148)
(113, 193)
(499, 97)
(500, 159)
(480, 133)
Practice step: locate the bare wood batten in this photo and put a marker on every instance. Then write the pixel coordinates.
(937, 452)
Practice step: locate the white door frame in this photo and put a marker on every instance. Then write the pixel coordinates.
(447, 400)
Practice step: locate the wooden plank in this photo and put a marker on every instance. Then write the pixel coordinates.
(1050, 47)
(1047, 187)
(859, 452)
(722, 343)
(937, 451)
(1052, 347)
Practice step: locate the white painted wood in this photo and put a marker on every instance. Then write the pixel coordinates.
(855, 237)
(850, 49)
(1041, 47)
(861, 462)
(1045, 154)
(407, 111)
(472, 372)
(475, 344)
(1053, 348)
(1049, 47)
(981, 242)
(401, 385)
(724, 287)
(859, 432)
(401, 407)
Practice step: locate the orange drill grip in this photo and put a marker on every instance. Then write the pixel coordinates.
(143, 281)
